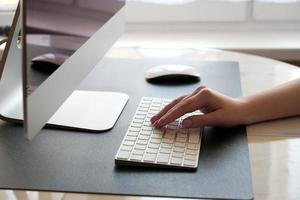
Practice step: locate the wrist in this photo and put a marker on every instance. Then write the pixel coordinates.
(245, 112)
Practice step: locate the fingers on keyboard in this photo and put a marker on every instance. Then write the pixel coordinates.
(169, 146)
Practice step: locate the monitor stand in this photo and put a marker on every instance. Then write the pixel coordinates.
(89, 111)
(94, 111)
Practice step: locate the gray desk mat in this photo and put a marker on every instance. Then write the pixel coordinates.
(66, 161)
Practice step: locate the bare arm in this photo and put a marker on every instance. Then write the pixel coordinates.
(220, 110)
(282, 101)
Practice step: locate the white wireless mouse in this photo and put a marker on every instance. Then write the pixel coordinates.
(172, 73)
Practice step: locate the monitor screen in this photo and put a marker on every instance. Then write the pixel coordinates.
(60, 27)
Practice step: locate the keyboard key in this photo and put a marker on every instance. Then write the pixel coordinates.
(185, 131)
(148, 124)
(175, 123)
(195, 131)
(190, 157)
(189, 163)
(163, 158)
(136, 125)
(149, 157)
(165, 150)
(176, 161)
(134, 129)
(159, 136)
(193, 140)
(178, 149)
(123, 155)
(136, 157)
(170, 134)
(192, 152)
(144, 137)
(171, 127)
(147, 119)
(181, 139)
(141, 147)
(150, 150)
(128, 143)
(154, 109)
(143, 142)
(145, 132)
(138, 152)
(150, 116)
(144, 113)
(140, 121)
(166, 140)
(159, 131)
(194, 137)
(179, 144)
(132, 133)
(153, 145)
(144, 105)
(156, 102)
(156, 141)
(126, 148)
(137, 116)
(147, 99)
(166, 145)
(152, 112)
(143, 109)
(146, 128)
(192, 146)
(182, 135)
(177, 154)
(131, 138)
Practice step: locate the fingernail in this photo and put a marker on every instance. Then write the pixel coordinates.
(187, 123)
(153, 119)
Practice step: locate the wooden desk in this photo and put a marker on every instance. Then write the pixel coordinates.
(275, 160)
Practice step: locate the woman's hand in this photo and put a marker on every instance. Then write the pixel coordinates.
(217, 109)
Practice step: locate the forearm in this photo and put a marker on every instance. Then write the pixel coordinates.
(282, 101)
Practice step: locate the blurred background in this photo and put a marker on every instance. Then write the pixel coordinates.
(268, 28)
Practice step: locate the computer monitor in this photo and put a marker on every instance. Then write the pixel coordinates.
(84, 30)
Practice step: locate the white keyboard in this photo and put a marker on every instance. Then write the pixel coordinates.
(171, 146)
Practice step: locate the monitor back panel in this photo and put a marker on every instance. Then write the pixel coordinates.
(84, 30)
(66, 161)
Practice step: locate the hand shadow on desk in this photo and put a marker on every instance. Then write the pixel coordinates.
(217, 145)
(220, 143)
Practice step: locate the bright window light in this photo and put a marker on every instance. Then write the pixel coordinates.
(279, 1)
(165, 2)
(8, 5)
(176, 2)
